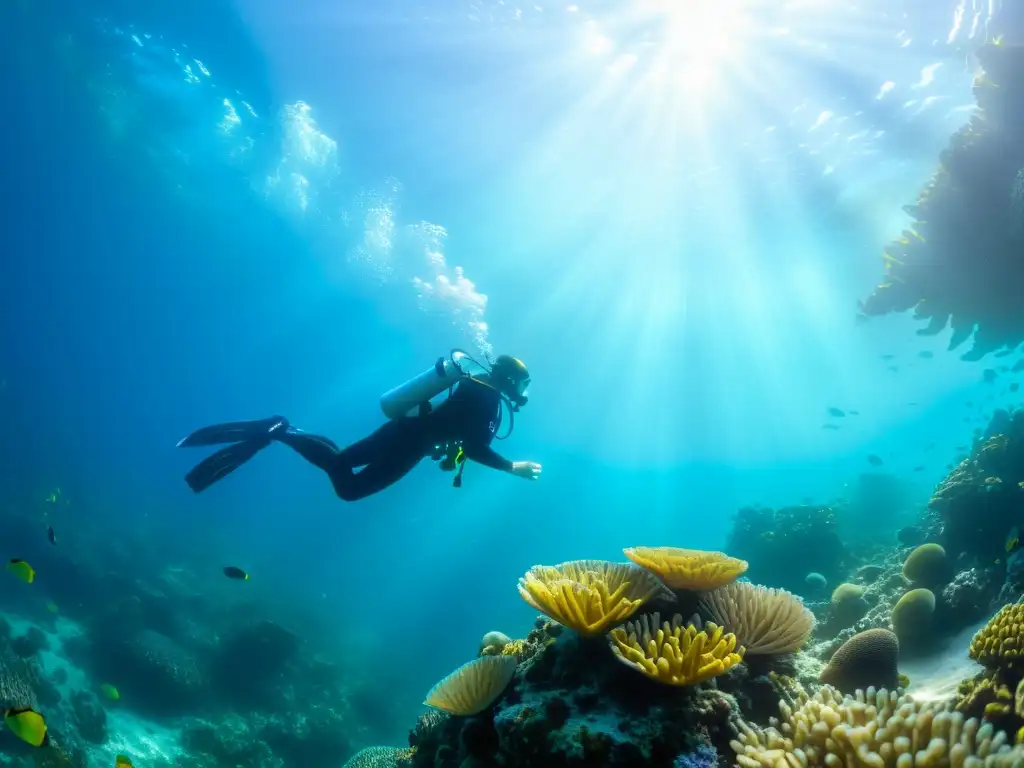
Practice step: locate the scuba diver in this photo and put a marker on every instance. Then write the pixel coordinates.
(459, 428)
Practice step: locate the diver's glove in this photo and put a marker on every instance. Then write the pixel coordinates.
(528, 470)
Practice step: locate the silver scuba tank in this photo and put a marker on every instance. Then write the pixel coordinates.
(442, 375)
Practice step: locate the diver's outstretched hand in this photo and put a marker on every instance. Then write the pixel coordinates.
(527, 470)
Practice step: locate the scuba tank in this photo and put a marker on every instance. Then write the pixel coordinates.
(444, 374)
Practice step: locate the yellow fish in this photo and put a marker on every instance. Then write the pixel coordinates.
(28, 725)
(123, 761)
(110, 692)
(22, 570)
(1012, 539)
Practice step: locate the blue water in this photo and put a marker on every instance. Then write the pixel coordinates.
(219, 211)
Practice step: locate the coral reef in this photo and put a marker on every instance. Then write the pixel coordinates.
(956, 265)
(871, 727)
(783, 545)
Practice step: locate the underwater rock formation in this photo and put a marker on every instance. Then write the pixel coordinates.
(783, 545)
(959, 262)
(571, 704)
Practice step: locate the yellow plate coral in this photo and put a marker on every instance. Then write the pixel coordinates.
(589, 596)
(692, 569)
(674, 654)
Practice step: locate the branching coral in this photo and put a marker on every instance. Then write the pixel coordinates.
(1001, 641)
(876, 729)
(692, 569)
(765, 620)
(673, 654)
(474, 686)
(589, 596)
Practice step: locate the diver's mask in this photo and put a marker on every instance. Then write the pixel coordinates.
(517, 392)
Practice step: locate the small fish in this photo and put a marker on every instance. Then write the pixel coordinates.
(110, 692)
(919, 468)
(874, 460)
(236, 573)
(853, 413)
(1021, 485)
(1012, 540)
(123, 761)
(993, 481)
(22, 570)
(925, 354)
(51, 535)
(888, 357)
(54, 496)
(830, 426)
(52, 607)
(836, 412)
(28, 725)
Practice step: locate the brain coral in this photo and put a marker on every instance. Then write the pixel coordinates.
(764, 620)
(999, 642)
(926, 566)
(867, 659)
(692, 569)
(912, 614)
(873, 729)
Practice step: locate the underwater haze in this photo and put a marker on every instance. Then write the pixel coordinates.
(671, 212)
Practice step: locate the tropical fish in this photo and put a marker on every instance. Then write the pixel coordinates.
(874, 460)
(28, 725)
(54, 496)
(51, 535)
(123, 761)
(110, 692)
(235, 573)
(1012, 540)
(22, 570)
(836, 412)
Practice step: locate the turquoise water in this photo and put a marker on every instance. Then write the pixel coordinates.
(223, 212)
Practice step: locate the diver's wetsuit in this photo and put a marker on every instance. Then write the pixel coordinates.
(471, 416)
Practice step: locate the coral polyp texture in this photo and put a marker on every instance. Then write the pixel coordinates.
(872, 728)
(868, 659)
(999, 642)
(380, 757)
(692, 569)
(589, 596)
(474, 686)
(766, 621)
(672, 653)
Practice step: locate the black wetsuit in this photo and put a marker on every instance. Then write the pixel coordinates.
(471, 416)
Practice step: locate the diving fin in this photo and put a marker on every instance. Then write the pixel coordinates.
(234, 432)
(223, 462)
